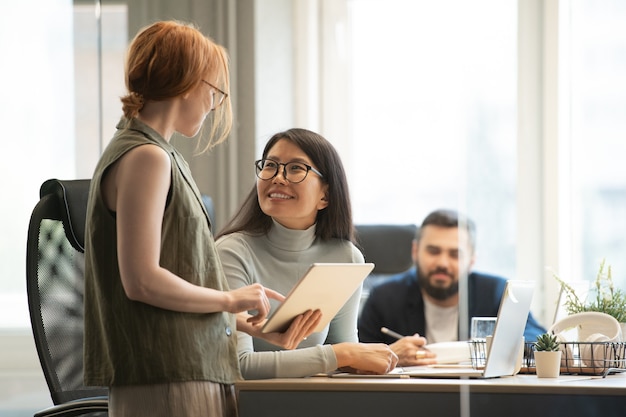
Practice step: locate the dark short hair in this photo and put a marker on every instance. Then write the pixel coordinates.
(449, 218)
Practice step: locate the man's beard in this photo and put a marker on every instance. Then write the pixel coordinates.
(438, 293)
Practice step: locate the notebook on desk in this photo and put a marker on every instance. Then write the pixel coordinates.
(505, 345)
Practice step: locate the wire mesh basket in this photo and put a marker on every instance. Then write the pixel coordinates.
(587, 358)
(478, 353)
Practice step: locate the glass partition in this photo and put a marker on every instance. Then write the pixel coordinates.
(598, 103)
(432, 116)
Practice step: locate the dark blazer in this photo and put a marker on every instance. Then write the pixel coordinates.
(398, 305)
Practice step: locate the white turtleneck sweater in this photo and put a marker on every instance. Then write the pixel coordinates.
(277, 261)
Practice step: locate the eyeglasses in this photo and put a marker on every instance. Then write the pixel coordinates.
(218, 96)
(294, 172)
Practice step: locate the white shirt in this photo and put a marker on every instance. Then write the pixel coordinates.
(442, 323)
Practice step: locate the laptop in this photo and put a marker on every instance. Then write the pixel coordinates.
(506, 343)
(324, 286)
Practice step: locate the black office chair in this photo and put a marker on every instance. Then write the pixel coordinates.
(388, 246)
(55, 283)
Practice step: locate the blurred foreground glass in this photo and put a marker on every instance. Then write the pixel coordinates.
(597, 37)
(446, 116)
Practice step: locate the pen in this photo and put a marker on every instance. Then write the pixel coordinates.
(391, 333)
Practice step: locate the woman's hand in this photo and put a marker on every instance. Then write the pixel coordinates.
(411, 352)
(366, 358)
(253, 297)
(299, 329)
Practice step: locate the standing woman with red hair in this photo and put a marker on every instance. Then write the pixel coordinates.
(159, 316)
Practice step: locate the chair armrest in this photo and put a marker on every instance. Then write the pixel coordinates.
(76, 408)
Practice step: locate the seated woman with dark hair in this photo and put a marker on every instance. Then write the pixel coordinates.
(298, 213)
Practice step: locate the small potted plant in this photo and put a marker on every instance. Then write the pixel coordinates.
(547, 356)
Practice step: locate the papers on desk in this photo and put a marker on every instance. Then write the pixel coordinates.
(450, 352)
(452, 356)
(395, 373)
(438, 370)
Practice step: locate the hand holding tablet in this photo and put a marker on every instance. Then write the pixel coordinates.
(325, 287)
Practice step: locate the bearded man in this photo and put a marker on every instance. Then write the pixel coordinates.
(421, 305)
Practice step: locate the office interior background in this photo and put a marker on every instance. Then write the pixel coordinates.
(511, 111)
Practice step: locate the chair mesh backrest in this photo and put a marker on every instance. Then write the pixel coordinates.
(55, 287)
(388, 246)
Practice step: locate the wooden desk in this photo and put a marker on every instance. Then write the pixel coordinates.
(522, 395)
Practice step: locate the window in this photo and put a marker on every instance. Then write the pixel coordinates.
(51, 115)
(597, 54)
(427, 102)
(432, 114)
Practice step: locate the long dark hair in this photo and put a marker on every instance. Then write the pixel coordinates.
(335, 221)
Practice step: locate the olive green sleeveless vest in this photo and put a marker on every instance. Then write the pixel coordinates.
(129, 342)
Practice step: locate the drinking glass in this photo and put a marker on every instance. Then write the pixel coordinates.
(482, 327)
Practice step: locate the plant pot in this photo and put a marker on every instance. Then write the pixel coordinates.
(548, 364)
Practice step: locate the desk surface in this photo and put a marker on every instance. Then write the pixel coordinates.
(527, 384)
(363, 396)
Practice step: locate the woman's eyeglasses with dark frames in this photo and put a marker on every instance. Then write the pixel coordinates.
(294, 172)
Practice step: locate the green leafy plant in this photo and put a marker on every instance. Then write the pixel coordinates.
(547, 342)
(605, 298)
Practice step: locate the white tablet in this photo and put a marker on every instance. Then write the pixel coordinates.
(326, 287)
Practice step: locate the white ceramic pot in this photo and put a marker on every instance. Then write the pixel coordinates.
(548, 364)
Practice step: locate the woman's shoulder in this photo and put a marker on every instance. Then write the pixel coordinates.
(237, 241)
(345, 249)
(356, 253)
(229, 240)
